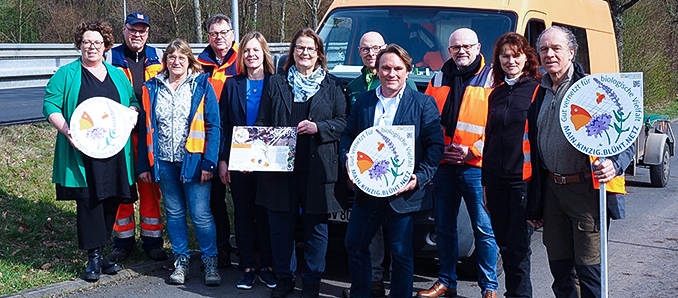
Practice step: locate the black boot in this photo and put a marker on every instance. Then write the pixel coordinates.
(93, 270)
(108, 267)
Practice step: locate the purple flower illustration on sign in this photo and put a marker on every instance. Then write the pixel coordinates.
(598, 125)
(378, 169)
(618, 114)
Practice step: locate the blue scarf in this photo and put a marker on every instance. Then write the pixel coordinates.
(305, 87)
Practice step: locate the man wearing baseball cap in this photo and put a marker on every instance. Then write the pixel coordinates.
(140, 62)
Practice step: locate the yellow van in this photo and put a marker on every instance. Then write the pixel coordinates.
(423, 28)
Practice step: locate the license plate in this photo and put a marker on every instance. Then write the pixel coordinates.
(342, 216)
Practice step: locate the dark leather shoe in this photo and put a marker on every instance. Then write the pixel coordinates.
(224, 258)
(93, 270)
(157, 254)
(310, 291)
(118, 255)
(378, 289)
(108, 267)
(438, 290)
(490, 294)
(284, 287)
(345, 293)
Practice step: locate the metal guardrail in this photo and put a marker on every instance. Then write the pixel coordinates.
(32, 65)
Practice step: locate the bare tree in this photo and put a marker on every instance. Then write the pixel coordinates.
(617, 8)
(197, 21)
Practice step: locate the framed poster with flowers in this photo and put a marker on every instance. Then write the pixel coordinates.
(381, 159)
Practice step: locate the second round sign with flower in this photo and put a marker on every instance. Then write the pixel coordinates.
(381, 159)
(602, 114)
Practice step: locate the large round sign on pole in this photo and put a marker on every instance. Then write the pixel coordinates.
(602, 114)
(100, 127)
(381, 159)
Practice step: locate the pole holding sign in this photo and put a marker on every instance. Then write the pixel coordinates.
(601, 116)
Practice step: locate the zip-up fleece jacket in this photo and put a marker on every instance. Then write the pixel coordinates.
(504, 154)
(205, 129)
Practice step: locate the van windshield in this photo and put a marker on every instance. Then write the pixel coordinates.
(423, 31)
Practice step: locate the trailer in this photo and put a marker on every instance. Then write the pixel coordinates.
(654, 147)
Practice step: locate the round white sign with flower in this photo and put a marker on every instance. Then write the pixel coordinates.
(602, 114)
(381, 159)
(100, 127)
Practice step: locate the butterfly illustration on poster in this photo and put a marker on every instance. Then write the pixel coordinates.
(601, 114)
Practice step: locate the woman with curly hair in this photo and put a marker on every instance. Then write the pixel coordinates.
(98, 186)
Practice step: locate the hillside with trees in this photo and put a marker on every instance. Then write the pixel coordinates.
(647, 27)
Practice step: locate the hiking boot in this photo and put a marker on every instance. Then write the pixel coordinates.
(267, 277)
(156, 254)
(118, 254)
(178, 277)
(212, 277)
(284, 287)
(247, 279)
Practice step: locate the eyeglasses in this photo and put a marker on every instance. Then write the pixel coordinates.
(466, 47)
(88, 43)
(135, 31)
(223, 34)
(172, 59)
(375, 49)
(301, 49)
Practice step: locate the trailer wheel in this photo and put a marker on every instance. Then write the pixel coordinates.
(659, 174)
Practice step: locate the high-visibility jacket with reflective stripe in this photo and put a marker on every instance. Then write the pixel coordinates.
(202, 145)
(470, 131)
(153, 61)
(218, 73)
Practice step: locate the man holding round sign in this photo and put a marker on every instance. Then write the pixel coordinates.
(566, 172)
(390, 106)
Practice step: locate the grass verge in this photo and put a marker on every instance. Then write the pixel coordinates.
(38, 237)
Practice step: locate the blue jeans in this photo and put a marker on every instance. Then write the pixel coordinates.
(362, 227)
(450, 185)
(194, 195)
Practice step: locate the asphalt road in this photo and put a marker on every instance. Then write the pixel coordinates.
(23, 105)
(643, 259)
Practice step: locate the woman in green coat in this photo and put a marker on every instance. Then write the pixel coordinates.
(98, 186)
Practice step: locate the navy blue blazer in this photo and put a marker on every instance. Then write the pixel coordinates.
(233, 109)
(416, 109)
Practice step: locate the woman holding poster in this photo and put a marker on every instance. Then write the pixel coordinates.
(305, 96)
(239, 105)
(98, 185)
(179, 150)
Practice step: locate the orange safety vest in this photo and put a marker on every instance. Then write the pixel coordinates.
(218, 76)
(195, 143)
(617, 185)
(470, 131)
(196, 133)
(527, 154)
(149, 72)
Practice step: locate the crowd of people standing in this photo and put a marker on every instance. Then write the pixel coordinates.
(485, 132)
